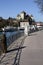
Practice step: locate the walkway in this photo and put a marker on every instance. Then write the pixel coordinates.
(33, 53)
(13, 53)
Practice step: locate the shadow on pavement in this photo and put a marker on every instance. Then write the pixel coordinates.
(17, 57)
(16, 49)
(18, 54)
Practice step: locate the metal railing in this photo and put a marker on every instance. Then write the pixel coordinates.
(9, 40)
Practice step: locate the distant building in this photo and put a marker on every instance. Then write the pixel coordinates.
(25, 25)
(39, 24)
(21, 15)
(25, 21)
(18, 17)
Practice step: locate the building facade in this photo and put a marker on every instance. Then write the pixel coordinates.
(21, 16)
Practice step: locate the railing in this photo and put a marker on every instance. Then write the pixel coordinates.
(5, 42)
(14, 37)
(3, 46)
(18, 49)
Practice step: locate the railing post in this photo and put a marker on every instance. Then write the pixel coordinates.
(3, 45)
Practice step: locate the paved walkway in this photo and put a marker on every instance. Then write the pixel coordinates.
(33, 53)
(10, 57)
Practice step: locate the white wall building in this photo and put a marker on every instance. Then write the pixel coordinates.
(21, 15)
(24, 22)
(18, 17)
(25, 25)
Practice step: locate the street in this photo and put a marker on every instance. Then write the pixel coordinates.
(32, 54)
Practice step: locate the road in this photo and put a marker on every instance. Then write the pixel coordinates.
(32, 54)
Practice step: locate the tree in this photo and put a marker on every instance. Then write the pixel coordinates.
(40, 4)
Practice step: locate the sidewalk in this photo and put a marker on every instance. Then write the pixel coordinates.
(33, 53)
(9, 57)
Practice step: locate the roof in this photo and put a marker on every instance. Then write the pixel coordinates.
(23, 12)
(18, 15)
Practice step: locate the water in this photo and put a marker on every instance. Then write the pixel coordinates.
(9, 33)
(10, 36)
(0, 33)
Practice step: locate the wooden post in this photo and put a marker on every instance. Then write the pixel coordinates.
(3, 45)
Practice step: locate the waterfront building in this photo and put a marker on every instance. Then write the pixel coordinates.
(21, 15)
(25, 21)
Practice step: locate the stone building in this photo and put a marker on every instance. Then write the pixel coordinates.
(25, 21)
(21, 15)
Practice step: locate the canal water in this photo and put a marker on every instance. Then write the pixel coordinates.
(10, 36)
(8, 33)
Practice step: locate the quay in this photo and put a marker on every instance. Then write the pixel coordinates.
(13, 54)
(33, 53)
(26, 50)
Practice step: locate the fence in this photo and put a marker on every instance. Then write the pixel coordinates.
(13, 37)
(5, 42)
(3, 46)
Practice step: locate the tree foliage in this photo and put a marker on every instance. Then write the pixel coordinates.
(40, 4)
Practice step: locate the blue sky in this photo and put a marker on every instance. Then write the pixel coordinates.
(13, 7)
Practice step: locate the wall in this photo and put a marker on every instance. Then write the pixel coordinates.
(24, 24)
(22, 15)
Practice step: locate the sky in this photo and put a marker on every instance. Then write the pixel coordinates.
(10, 8)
